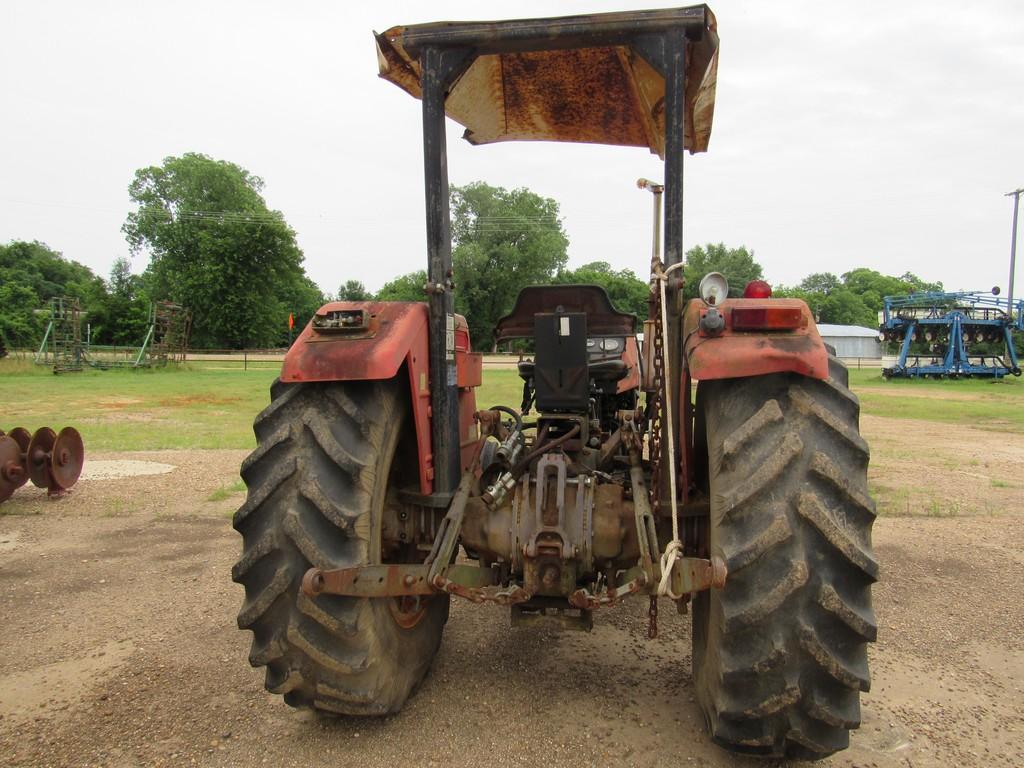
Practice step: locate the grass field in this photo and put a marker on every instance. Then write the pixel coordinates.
(212, 406)
(135, 410)
(994, 405)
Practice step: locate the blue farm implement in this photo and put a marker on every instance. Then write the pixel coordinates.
(952, 334)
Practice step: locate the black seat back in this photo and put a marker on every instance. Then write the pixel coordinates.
(560, 363)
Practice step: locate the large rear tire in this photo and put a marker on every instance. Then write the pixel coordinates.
(780, 654)
(329, 457)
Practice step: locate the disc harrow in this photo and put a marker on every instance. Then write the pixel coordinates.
(51, 460)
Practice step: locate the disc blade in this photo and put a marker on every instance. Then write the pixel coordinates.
(10, 467)
(38, 456)
(68, 458)
(21, 436)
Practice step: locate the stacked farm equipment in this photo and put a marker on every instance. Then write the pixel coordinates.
(51, 460)
(67, 349)
(952, 335)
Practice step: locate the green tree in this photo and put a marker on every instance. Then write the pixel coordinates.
(128, 305)
(737, 264)
(915, 284)
(216, 248)
(820, 282)
(353, 290)
(872, 286)
(19, 326)
(32, 274)
(503, 240)
(844, 307)
(404, 288)
(864, 281)
(627, 291)
(303, 298)
(813, 299)
(856, 298)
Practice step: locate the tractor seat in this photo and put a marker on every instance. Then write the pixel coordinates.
(599, 370)
(608, 370)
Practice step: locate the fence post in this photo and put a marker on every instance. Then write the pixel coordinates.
(245, 359)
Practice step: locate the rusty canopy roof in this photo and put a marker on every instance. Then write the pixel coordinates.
(572, 78)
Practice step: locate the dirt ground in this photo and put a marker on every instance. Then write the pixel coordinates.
(119, 647)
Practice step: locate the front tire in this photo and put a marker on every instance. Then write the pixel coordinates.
(780, 654)
(327, 457)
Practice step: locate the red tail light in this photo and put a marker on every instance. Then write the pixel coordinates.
(757, 289)
(767, 318)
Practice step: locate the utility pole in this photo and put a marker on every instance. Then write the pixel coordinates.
(1013, 250)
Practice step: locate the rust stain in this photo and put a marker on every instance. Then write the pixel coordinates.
(602, 93)
(554, 96)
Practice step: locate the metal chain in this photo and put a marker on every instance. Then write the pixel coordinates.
(654, 431)
(674, 548)
(654, 427)
(652, 618)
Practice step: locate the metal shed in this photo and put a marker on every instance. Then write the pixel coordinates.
(852, 340)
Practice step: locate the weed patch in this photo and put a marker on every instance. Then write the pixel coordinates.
(227, 491)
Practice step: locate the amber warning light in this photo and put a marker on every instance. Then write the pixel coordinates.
(767, 318)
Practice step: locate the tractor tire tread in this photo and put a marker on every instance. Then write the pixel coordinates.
(321, 468)
(780, 654)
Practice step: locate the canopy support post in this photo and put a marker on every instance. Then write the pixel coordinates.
(440, 68)
(675, 132)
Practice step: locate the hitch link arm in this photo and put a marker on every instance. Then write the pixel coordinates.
(435, 574)
(446, 542)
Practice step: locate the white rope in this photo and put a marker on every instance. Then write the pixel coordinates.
(675, 547)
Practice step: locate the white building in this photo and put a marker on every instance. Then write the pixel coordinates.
(852, 340)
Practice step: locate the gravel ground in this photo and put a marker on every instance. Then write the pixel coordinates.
(119, 648)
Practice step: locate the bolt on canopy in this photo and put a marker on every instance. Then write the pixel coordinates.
(591, 79)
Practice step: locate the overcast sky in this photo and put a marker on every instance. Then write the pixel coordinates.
(846, 134)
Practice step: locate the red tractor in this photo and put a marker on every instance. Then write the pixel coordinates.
(610, 480)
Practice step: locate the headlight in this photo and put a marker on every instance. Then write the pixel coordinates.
(610, 345)
(714, 288)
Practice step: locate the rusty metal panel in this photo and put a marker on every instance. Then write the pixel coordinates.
(574, 79)
(369, 581)
(469, 368)
(395, 332)
(631, 357)
(374, 354)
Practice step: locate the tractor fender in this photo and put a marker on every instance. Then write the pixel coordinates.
(384, 336)
(731, 354)
(393, 331)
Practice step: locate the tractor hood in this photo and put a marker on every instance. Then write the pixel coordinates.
(592, 79)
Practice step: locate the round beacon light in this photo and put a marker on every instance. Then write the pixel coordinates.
(757, 289)
(714, 288)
